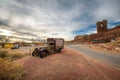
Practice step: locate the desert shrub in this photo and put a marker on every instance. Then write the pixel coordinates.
(10, 70)
(117, 44)
(16, 55)
(3, 53)
(11, 56)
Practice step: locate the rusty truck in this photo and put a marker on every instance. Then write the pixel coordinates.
(53, 45)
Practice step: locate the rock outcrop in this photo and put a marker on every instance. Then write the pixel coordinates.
(103, 33)
(101, 26)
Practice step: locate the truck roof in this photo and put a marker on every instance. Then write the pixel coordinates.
(51, 40)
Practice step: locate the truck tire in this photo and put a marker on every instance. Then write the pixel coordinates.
(35, 52)
(43, 54)
(59, 51)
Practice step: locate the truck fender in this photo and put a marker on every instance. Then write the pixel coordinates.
(43, 53)
(41, 50)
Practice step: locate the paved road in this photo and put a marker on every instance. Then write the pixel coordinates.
(102, 56)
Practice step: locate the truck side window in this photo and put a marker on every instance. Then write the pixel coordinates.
(51, 46)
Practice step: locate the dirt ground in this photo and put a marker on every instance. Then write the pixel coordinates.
(68, 65)
(112, 47)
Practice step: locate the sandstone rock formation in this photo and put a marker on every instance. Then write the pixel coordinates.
(103, 33)
(101, 26)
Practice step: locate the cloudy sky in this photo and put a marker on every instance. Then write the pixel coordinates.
(39, 19)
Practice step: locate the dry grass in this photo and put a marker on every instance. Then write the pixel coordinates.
(10, 70)
(11, 56)
(3, 53)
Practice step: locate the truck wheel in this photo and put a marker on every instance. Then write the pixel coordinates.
(59, 51)
(43, 54)
(33, 54)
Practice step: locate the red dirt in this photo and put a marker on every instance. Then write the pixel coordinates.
(106, 47)
(69, 65)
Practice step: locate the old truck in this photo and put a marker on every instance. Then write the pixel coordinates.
(53, 45)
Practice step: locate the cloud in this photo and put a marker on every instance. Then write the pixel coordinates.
(40, 19)
(108, 10)
(4, 22)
